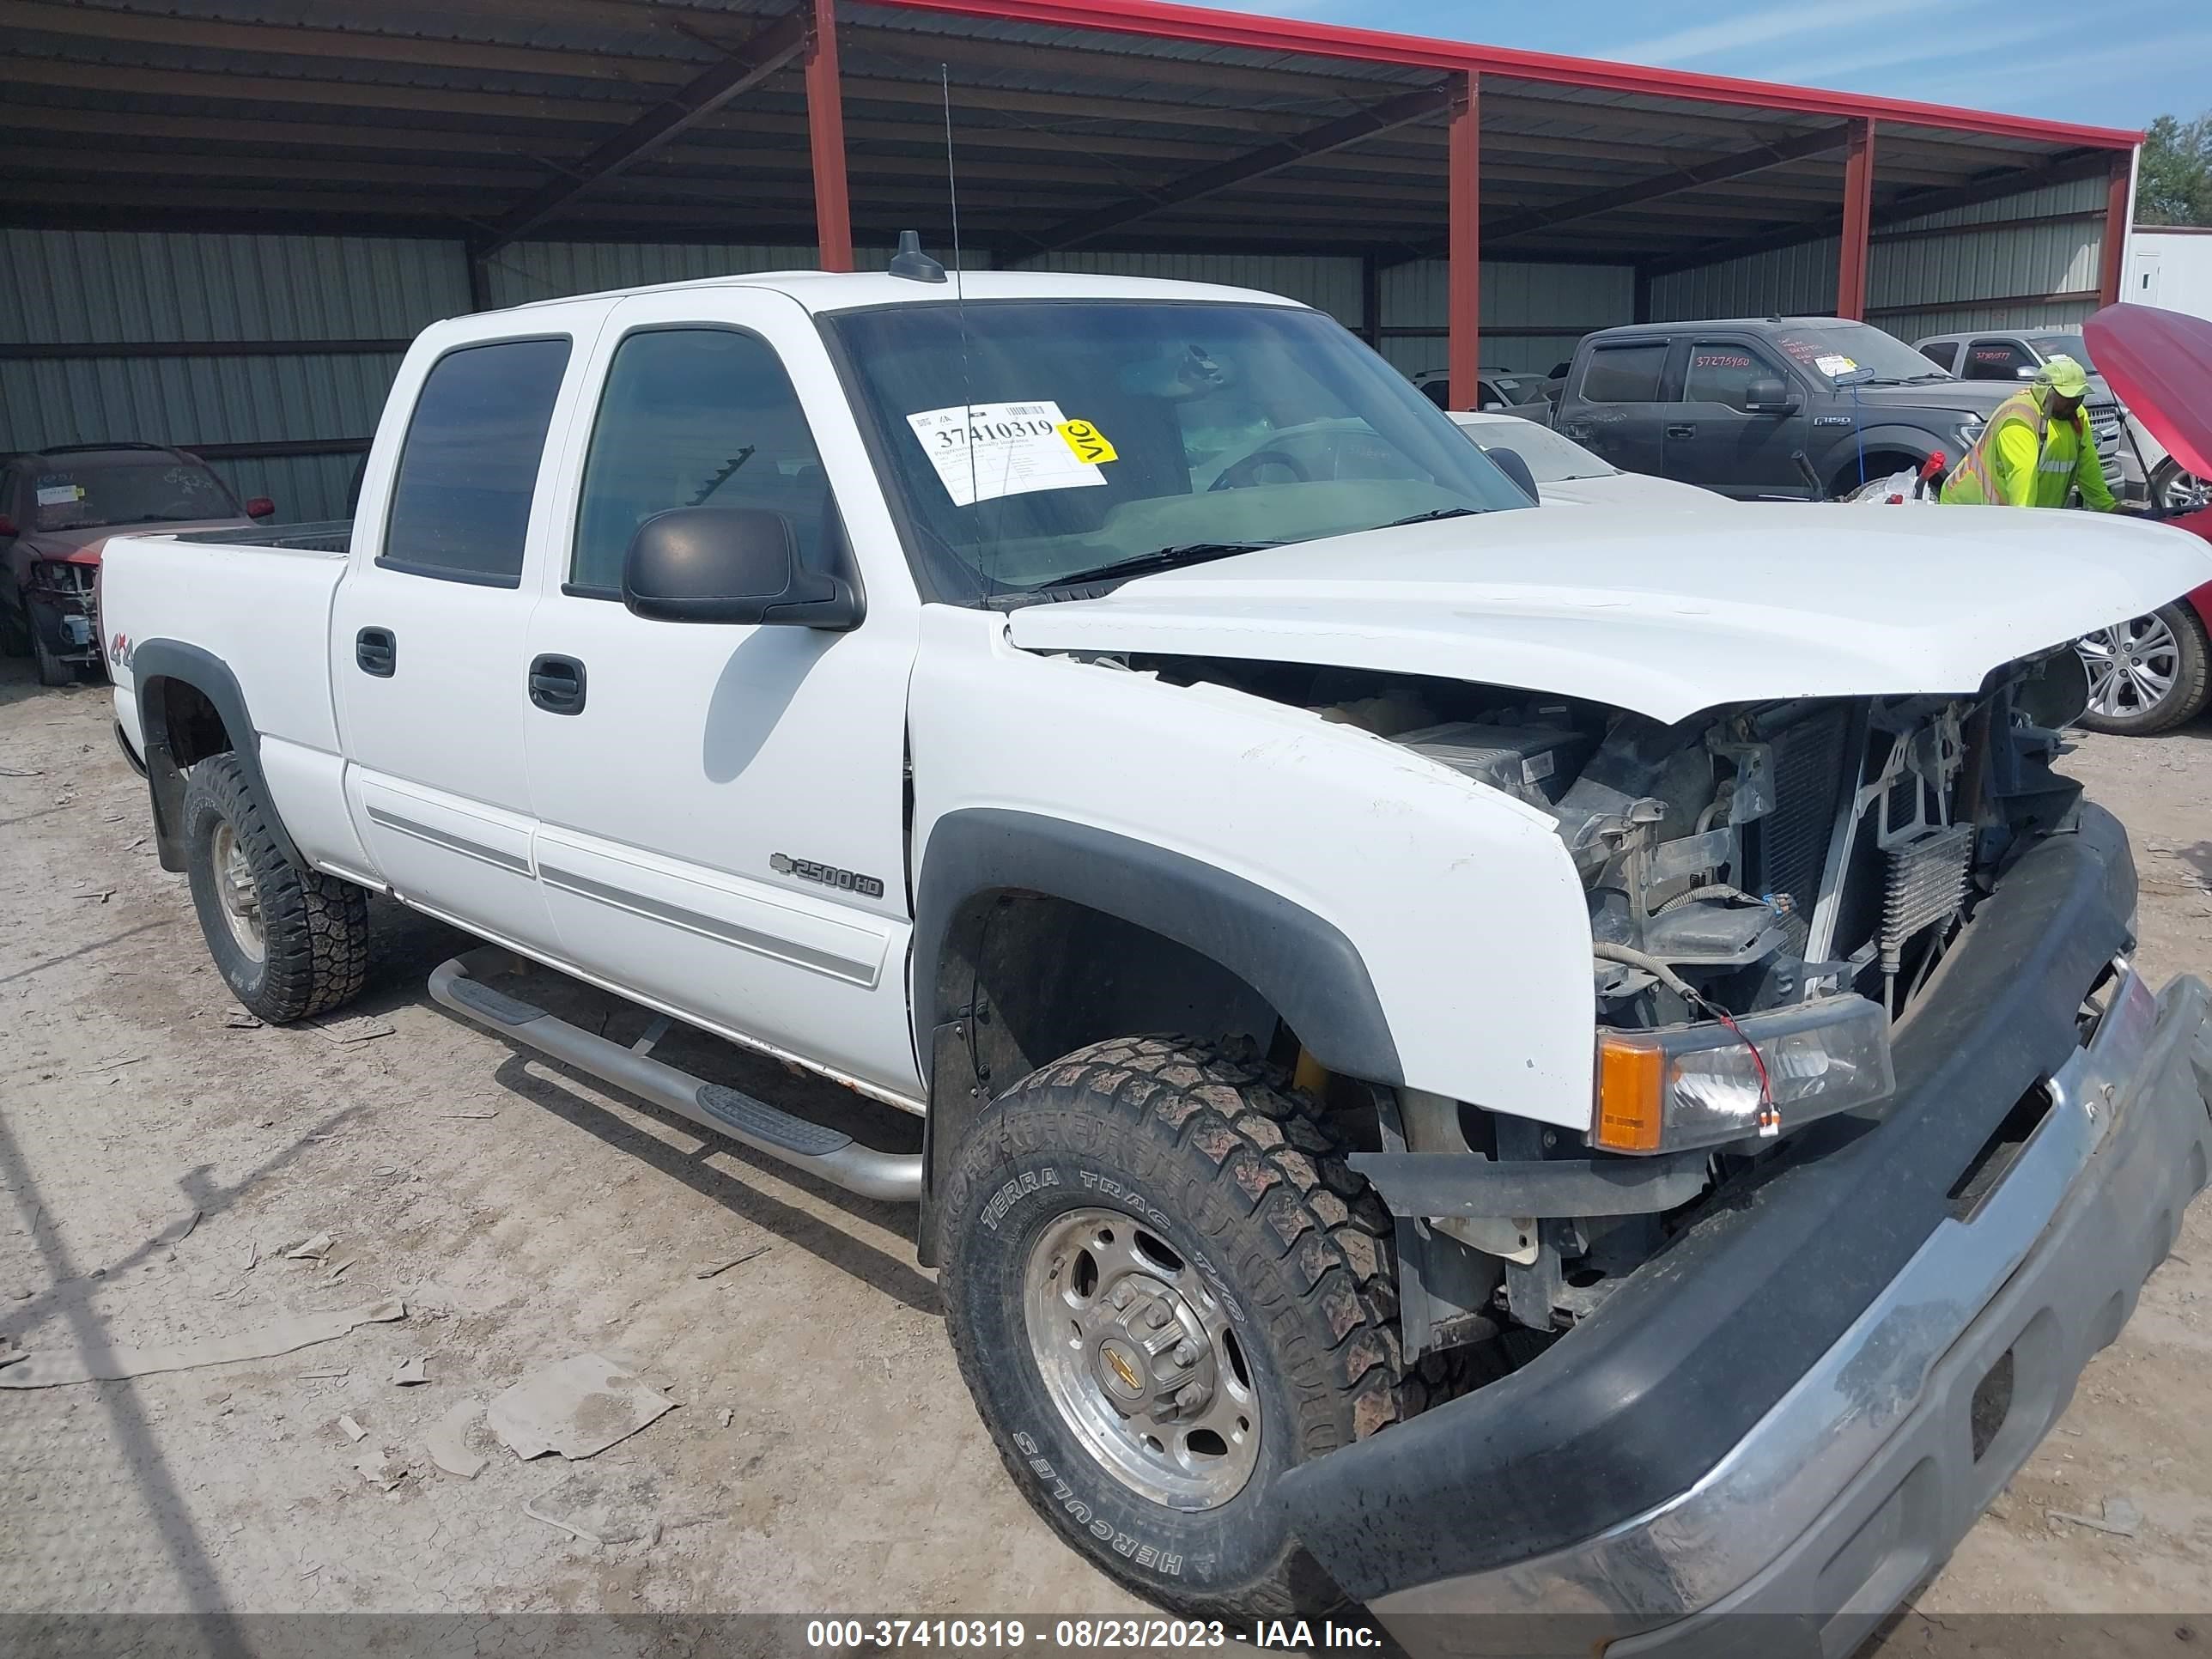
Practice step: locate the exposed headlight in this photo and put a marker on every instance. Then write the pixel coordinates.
(1970, 432)
(1707, 1083)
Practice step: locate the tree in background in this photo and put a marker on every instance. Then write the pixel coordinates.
(2174, 184)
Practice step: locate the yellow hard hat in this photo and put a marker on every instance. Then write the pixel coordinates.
(2064, 376)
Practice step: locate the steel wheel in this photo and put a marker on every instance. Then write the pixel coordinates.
(241, 895)
(2132, 667)
(1136, 1352)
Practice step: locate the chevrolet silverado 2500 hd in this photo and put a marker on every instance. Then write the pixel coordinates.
(1470, 1056)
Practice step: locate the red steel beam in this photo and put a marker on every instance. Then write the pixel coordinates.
(2119, 201)
(825, 137)
(1166, 20)
(1463, 277)
(1858, 222)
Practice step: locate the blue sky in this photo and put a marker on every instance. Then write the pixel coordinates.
(2116, 65)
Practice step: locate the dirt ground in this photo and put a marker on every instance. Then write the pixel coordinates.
(823, 1456)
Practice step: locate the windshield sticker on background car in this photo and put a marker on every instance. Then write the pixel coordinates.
(60, 494)
(1834, 364)
(984, 451)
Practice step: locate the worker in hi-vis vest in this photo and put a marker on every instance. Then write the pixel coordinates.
(2036, 448)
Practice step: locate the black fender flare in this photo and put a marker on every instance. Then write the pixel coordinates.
(1308, 971)
(207, 674)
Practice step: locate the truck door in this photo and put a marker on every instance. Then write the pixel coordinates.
(1617, 409)
(1729, 431)
(429, 630)
(721, 806)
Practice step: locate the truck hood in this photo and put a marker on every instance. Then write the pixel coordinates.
(1663, 615)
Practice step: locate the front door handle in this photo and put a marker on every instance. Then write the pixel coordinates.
(375, 651)
(1681, 432)
(557, 684)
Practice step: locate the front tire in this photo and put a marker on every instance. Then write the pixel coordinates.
(288, 942)
(53, 670)
(2148, 675)
(1166, 1290)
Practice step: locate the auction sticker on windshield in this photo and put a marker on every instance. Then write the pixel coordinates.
(984, 451)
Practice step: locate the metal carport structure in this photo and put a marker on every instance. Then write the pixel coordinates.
(1081, 130)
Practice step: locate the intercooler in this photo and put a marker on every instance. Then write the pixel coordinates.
(1811, 772)
(1901, 868)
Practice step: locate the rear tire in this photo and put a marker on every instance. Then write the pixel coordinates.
(288, 942)
(1239, 1282)
(2148, 675)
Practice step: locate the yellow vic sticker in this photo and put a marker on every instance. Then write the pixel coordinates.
(1088, 442)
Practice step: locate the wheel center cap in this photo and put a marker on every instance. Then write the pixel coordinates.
(1122, 1369)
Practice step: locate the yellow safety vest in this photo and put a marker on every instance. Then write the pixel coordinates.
(1974, 482)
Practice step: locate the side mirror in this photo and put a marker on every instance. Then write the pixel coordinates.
(2025, 372)
(8, 531)
(1508, 462)
(730, 564)
(261, 508)
(1768, 397)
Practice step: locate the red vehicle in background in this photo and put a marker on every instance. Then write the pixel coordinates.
(58, 508)
(2155, 673)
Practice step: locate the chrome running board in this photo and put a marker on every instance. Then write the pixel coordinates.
(830, 1154)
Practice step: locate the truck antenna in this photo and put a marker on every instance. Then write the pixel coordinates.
(960, 308)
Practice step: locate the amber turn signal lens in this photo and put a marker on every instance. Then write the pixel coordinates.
(1631, 1094)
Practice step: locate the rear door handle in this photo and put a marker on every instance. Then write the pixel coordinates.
(375, 651)
(1681, 432)
(557, 684)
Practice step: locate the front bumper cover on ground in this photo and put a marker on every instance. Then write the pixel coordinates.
(1770, 1438)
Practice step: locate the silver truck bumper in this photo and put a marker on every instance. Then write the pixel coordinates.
(1855, 1486)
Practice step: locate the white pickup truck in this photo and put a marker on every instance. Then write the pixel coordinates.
(1471, 1058)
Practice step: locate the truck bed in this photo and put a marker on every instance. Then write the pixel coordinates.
(257, 601)
(330, 536)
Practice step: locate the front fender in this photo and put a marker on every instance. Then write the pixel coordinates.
(1413, 926)
(1310, 973)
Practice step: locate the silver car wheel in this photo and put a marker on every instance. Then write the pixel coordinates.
(239, 894)
(2132, 666)
(1136, 1352)
(2183, 492)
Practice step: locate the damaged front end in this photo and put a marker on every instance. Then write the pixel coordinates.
(1772, 890)
(62, 609)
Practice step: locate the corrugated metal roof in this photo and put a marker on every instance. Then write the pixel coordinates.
(440, 119)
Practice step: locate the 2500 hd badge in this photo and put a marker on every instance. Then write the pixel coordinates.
(845, 881)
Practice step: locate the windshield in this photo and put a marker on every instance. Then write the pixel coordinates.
(1831, 350)
(1102, 433)
(158, 490)
(1552, 459)
(2063, 345)
(1518, 388)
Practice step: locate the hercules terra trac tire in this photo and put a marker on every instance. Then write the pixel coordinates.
(1270, 1236)
(315, 927)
